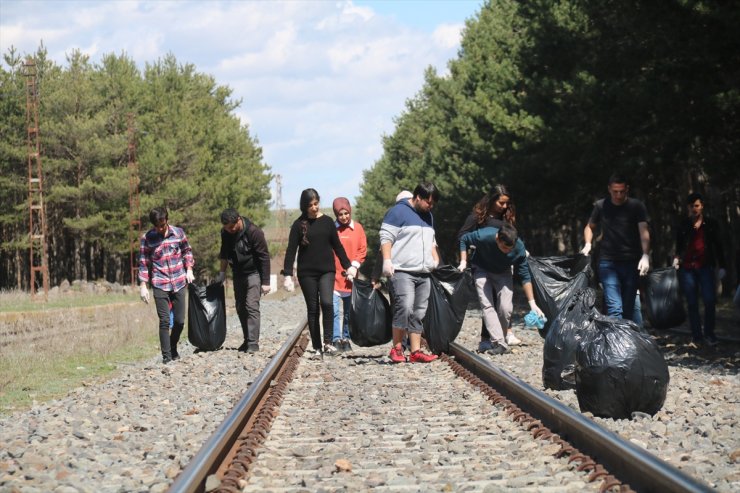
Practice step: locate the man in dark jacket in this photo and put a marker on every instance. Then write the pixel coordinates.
(698, 253)
(243, 246)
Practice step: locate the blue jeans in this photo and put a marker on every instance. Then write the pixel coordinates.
(691, 281)
(341, 317)
(619, 281)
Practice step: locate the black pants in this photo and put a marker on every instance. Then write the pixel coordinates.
(318, 291)
(167, 341)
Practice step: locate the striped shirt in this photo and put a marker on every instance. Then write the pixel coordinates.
(164, 260)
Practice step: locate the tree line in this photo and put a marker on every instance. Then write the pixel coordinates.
(551, 98)
(194, 157)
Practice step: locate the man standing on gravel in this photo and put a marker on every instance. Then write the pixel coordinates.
(243, 246)
(625, 246)
(166, 260)
(409, 249)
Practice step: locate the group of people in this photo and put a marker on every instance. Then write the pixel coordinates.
(625, 255)
(325, 254)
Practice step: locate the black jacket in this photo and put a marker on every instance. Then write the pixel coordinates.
(247, 251)
(714, 255)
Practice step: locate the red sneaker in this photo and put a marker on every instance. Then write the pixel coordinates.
(397, 355)
(419, 357)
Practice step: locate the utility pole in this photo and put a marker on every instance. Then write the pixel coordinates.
(280, 207)
(37, 252)
(134, 229)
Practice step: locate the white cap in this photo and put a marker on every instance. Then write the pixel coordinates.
(404, 194)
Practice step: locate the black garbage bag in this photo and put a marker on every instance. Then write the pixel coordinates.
(561, 341)
(555, 280)
(619, 370)
(370, 316)
(663, 301)
(450, 293)
(206, 316)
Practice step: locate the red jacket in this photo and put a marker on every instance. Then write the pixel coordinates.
(354, 242)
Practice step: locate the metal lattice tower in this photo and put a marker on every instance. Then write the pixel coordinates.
(134, 230)
(37, 252)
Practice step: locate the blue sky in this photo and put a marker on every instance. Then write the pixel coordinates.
(320, 81)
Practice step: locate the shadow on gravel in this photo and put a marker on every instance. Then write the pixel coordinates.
(679, 351)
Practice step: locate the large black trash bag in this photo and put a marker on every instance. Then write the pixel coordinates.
(450, 293)
(662, 296)
(206, 316)
(561, 342)
(555, 280)
(370, 316)
(619, 370)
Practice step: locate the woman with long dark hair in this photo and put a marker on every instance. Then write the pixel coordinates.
(493, 209)
(314, 237)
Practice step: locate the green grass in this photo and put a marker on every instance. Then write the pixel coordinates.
(28, 378)
(46, 353)
(15, 301)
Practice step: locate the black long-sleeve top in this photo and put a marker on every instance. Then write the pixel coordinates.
(318, 256)
(713, 251)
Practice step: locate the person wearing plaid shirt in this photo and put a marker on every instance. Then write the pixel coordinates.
(166, 260)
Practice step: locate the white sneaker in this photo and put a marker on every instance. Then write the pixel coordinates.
(512, 340)
(330, 350)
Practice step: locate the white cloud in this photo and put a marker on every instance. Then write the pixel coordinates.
(320, 81)
(447, 36)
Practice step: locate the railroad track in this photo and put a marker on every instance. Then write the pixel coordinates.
(453, 425)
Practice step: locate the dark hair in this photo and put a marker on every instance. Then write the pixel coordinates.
(485, 206)
(307, 196)
(693, 197)
(618, 178)
(229, 216)
(507, 234)
(427, 190)
(157, 214)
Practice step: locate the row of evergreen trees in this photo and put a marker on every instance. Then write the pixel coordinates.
(546, 97)
(550, 98)
(194, 155)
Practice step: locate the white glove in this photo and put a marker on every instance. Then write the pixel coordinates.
(388, 269)
(189, 277)
(266, 289)
(288, 284)
(144, 293)
(644, 265)
(351, 273)
(220, 278)
(676, 263)
(586, 249)
(533, 306)
(721, 273)
(463, 265)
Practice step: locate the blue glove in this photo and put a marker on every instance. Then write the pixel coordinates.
(534, 321)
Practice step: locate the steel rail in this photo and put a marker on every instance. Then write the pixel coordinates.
(631, 464)
(208, 459)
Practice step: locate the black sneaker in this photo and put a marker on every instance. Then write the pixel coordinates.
(175, 355)
(166, 358)
(253, 348)
(498, 349)
(243, 348)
